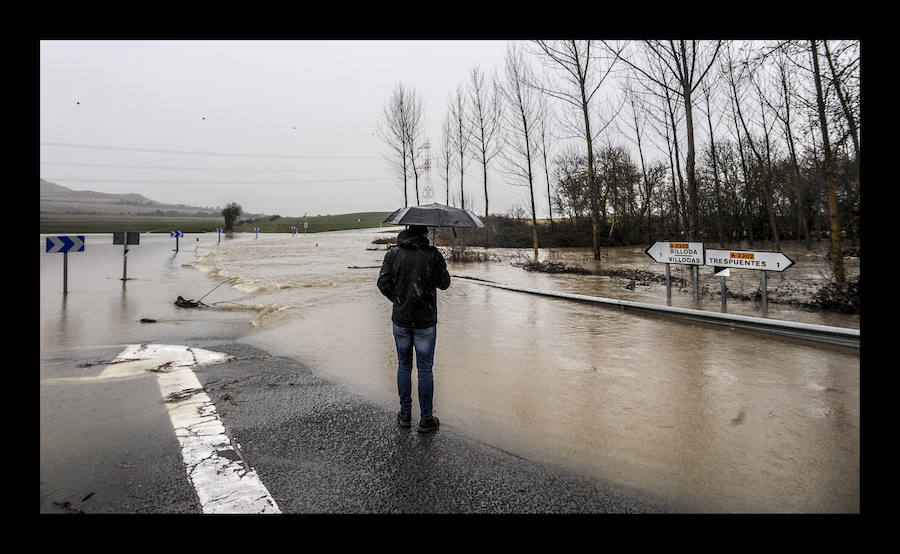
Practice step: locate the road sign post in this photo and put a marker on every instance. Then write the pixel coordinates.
(722, 272)
(257, 232)
(745, 259)
(724, 292)
(677, 252)
(695, 278)
(176, 234)
(125, 238)
(219, 231)
(668, 282)
(65, 244)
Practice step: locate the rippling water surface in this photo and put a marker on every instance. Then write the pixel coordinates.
(710, 419)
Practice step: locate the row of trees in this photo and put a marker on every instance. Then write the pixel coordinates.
(700, 140)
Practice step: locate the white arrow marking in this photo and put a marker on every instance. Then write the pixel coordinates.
(224, 485)
(57, 244)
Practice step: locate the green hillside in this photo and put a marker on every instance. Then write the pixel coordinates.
(318, 223)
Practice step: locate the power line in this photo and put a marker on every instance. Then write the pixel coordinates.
(181, 168)
(195, 153)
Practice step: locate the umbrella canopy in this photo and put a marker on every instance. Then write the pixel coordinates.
(434, 215)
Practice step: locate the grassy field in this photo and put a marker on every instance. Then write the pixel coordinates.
(317, 224)
(88, 224)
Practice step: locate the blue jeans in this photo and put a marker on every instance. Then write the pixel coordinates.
(423, 341)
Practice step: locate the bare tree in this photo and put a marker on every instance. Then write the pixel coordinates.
(392, 129)
(486, 101)
(520, 119)
(461, 136)
(544, 145)
(715, 165)
(637, 110)
(445, 162)
(728, 70)
(764, 164)
(682, 211)
(837, 248)
(688, 63)
(783, 82)
(414, 131)
(582, 76)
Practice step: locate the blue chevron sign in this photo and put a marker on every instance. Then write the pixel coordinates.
(218, 230)
(65, 244)
(176, 233)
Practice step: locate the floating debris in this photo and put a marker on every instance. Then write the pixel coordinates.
(183, 303)
(552, 267)
(147, 320)
(183, 394)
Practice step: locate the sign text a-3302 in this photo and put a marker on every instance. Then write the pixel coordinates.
(745, 259)
(677, 252)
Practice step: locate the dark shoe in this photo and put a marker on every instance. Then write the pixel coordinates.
(428, 425)
(404, 420)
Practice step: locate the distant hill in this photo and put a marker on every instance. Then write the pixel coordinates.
(58, 200)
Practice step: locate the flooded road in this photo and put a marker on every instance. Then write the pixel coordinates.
(706, 418)
(709, 419)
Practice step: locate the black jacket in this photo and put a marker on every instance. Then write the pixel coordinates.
(410, 275)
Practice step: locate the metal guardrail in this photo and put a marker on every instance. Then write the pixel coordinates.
(822, 333)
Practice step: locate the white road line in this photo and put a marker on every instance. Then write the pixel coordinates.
(223, 481)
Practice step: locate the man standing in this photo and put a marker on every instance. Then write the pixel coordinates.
(409, 277)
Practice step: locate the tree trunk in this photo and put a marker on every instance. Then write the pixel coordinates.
(712, 146)
(837, 248)
(595, 208)
(683, 213)
(637, 131)
(676, 212)
(764, 165)
(795, 166)
(693, 201)
(534, 235)
(770, 185)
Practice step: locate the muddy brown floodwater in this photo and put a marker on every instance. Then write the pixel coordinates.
(708, 418)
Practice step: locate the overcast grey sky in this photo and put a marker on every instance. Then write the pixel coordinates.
(289, 127)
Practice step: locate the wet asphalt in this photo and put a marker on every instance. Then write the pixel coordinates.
(320, 448)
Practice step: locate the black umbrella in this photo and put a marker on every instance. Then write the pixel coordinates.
(434, 215)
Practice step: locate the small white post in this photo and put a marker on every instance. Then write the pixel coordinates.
(668, 283)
